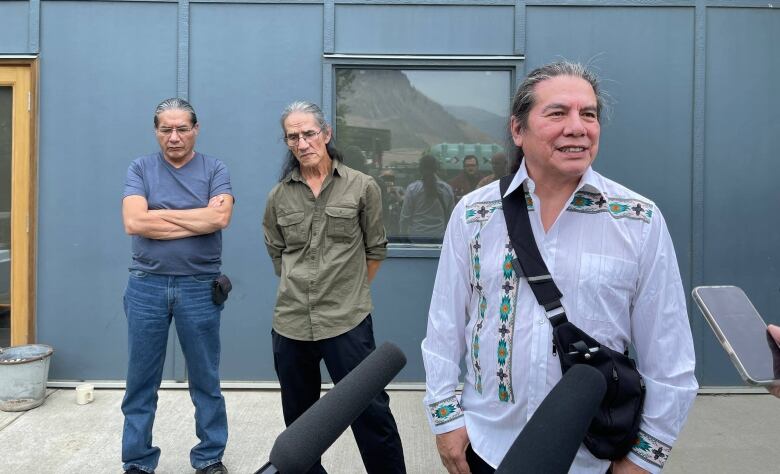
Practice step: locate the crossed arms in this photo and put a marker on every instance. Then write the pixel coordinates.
(169, 224)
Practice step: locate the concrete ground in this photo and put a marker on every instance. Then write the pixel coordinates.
(724, 434)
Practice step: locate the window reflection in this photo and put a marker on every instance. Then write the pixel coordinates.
(427, 136)
(5, 215)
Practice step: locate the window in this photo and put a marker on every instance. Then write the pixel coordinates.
(428, 136)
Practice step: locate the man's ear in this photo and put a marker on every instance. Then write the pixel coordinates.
(328, 132)
(517, 131)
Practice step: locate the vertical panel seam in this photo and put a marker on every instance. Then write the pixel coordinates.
(697, 169)
(327, 91)
(183, 50)
(699, 92)
(520, 20)
(33, 26)
(328, 26)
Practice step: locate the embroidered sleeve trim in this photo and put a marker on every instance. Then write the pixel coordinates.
(445, 411)
(651, 449)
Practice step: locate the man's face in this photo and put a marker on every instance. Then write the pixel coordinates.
(310, 152)
(176, 135)
(470, 166)
(562, 136)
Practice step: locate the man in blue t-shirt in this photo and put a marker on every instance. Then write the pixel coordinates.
(176, 203)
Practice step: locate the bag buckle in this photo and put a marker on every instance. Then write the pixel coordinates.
(539, 279)
(582, 349)
(554, 309)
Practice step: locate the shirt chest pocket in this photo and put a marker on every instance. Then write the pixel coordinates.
(605, 287)
(342, 223)
(294, 232)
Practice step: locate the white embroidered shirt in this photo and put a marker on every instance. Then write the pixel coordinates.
(610, 254)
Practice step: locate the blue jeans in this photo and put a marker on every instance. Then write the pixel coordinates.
(150, 302)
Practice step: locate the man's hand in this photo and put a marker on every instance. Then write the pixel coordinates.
(452, 450)
(373, 267)
(624, 466)
(774, 331)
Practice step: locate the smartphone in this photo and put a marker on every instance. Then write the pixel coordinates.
(741, 332)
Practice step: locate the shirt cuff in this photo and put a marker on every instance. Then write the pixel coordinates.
(649, 452)
(376, 253)
(445, 415)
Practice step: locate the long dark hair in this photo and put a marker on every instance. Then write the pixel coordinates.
(428, 167)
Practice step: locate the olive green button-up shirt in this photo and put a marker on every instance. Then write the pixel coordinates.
(319, 247)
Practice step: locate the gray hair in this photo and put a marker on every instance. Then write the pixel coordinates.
(174, 103)
(304, 107)
(525, 98)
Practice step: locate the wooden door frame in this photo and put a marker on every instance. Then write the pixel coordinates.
(22, 75)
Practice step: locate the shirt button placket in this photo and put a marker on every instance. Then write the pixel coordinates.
(313, 261)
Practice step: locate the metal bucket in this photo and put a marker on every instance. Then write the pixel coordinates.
(24, 371)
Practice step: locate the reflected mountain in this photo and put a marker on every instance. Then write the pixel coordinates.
(385, 99)
(489, 123)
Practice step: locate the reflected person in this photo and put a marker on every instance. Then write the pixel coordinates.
(498, 164)
(466, 181)
(427, 205)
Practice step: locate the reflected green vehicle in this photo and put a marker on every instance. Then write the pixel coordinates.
(450, 155)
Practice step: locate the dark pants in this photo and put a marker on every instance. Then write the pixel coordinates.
(477, 465)
(297, 365)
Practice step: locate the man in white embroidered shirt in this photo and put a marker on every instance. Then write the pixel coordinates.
(609, 252)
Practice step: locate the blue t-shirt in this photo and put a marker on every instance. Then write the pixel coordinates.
(188, 187)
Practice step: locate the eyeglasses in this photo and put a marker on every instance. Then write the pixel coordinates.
(293, 138)
(169, 130)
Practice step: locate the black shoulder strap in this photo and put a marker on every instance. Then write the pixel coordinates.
(529, 262)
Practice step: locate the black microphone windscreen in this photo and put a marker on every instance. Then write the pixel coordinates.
(299, 446)
(551, 438)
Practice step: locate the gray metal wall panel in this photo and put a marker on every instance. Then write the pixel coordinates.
(402, 294)
(14, 27)
(742, 228)
(418, 29)
(104, 67)
(105, 64)
(246, 65)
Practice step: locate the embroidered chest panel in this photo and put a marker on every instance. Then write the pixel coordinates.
(592, 203)
(482, 211)
(504, 311)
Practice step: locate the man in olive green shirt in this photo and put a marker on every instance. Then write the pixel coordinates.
(323, 230)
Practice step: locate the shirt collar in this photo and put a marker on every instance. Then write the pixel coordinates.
(295, 174)
(590, 181)
(338, 167)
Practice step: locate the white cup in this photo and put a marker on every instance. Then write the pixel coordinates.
(85, 393)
